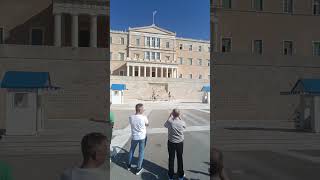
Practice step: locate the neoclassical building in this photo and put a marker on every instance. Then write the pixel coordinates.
(157, 59)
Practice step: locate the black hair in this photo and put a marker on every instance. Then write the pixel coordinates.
(138, 107)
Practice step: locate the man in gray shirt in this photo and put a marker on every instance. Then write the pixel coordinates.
(175, 127)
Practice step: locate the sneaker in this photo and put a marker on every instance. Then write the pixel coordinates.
(139, 171)
(182, 177)
(169, 177)
(129, 167)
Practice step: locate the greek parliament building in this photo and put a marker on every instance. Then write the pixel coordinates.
(151, 60)
(53, 60)
(261, 49)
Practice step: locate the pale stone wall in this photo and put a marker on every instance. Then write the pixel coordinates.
(80, 72)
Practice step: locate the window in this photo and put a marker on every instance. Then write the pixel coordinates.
(208, 62)
(226, 45)
(200, 76)
(287, 48)
(110, 40)
(121, 55)
(190, 47)
(153, 42)
(167, 44)
(190, 61)
(36, 36)
(121, 40)
(180, 60)
(316, 7)
(316, 48)
(158, 42)
(148, 41)
(136, 56)
(147, 55)
(138, 42)
(1, 36)
(200, 62)
(158, 55)
(121, 73)
(226, 4)
(257, 5)
(20, 100)
(190, 76)
(180, 76)
(257, 47)
(288, 6)
(181, 46)
(200, 48)
(153, 55)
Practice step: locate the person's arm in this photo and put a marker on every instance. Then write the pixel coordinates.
(166, 124)
(98, 120)
(146, 121)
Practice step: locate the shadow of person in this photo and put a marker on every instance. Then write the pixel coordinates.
(152, 170)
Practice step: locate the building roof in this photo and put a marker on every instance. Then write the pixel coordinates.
(154, 27)
(26, 80)
(305, 87)
(206, 88)
(118, 87)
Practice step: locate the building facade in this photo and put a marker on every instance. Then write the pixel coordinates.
(262, 48)
(156, 54)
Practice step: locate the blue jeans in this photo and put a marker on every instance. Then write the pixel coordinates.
(142, 145)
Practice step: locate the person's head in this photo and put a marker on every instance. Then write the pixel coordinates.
(175, 113)
(139, 108)
(94, 148)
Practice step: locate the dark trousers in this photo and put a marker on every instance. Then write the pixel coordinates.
(173, 149)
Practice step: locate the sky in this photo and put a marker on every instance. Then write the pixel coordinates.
(188, 18)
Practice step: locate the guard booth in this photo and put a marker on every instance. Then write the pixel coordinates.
(117, 93)
(308, 110)
(25, 101)
(206, 94)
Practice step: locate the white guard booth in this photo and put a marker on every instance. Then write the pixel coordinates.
(206, 94)
(25, 102)
(117, 93)
(308, 110)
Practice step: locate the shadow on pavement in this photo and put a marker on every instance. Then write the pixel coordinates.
(265, 129)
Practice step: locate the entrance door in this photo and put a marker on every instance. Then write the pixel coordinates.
(84, 38)
(116, 97)
(21, 113)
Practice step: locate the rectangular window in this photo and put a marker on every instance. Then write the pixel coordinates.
(316, 7)
(190, 61)
(257, 47)
(121, 73)
(147, 55)
(181, 60)
(190, 47)
(158, 55)
(158, 43)
(153, 42)
(288, 6)
(1, 36)
(121, 40)
(226, 4)
(200, 48)
(138, 42)
(226, 45)
(316, 48)
(190, 76)
(287, 48)
(148, 42)
(36, 36)
(200, 76)
(200, 62)
(181, 47)
(258, 5)
(121, 55)
(167, 44)
(153, 55)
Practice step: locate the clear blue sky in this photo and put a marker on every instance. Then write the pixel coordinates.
(188, 18)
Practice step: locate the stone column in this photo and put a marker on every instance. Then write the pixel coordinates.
(93, 31)
(172, 76)
(145, 71)
(75, 30)
(139, 71)
(156, 71)
(57, 30)
(128, 70)
(167, 69)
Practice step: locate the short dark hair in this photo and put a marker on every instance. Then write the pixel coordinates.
(138, 107)
(89, 144)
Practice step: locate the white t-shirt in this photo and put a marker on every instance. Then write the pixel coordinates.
(138, 126)
(85, 174)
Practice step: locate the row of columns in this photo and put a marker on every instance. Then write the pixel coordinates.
(75, 30)
(132, 68)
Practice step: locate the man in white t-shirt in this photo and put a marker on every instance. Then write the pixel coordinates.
(138, 124)
(94, 151)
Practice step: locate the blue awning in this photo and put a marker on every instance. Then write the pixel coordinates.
(305, 86)
(118, 87)
(206, 88)
(26, 80)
